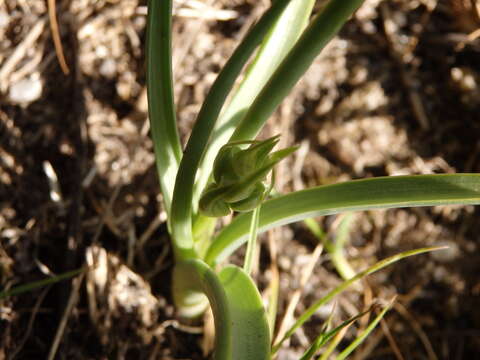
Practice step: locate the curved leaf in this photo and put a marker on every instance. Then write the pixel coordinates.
(241, 328)
(357, 195)
(323, 27)
(279, 40)
(182, 207)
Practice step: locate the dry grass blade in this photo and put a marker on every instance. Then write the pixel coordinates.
(295, 297)
(57, 41)
(72, 301)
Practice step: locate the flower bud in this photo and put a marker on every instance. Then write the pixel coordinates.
(250, 202)
(238, 176)
(211, 203)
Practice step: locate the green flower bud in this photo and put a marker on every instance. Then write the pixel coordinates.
(250, 202)
(223, 166)
(211, 203)
(250, 159)
(238, 176)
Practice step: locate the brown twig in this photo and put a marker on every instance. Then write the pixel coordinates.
(30, 324)
(57, 42)
(417, 328)
(72, 301)
(20, 51)
(391, 340)
(295, 298)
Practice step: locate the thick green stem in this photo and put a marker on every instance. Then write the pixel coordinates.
(241, 328)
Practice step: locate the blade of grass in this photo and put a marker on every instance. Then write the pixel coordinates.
(325, 336)
(279, 40)
(357, 195)
(334, 343)
(161, 106)
(321, 29)
(378, 266)
(338, 254)
(181, 214)
(344, 354)
(335, 247)
(38, 284)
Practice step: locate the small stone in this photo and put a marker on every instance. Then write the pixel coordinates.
(108, 68)
(26, 90)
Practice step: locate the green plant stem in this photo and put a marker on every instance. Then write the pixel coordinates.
(252, 241)
(324, 26)
(241, 328)
(161, 105)
(182, 207)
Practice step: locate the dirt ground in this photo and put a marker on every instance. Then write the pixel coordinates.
(397, 92)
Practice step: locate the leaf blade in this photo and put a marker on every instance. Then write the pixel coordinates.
(356, 195)
(161, 106)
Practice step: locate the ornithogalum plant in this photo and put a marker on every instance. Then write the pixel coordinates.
(223, 169)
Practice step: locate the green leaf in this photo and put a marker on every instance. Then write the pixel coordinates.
(344, 354)
(37, 284)
(275, 46)
(182, 202)
(325, 336)
(241, 326)
(357, 195)
(320, 31)
(251, 335)
(307, 314)
(161, 107)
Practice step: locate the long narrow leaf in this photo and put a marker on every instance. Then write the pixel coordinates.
(273, 50)
(307, 314)
(344, 354)
(181, 214)
(333, 344)
(324, 26)
(374, 193)
(161, 105)
(40, 283)
(325, 336)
